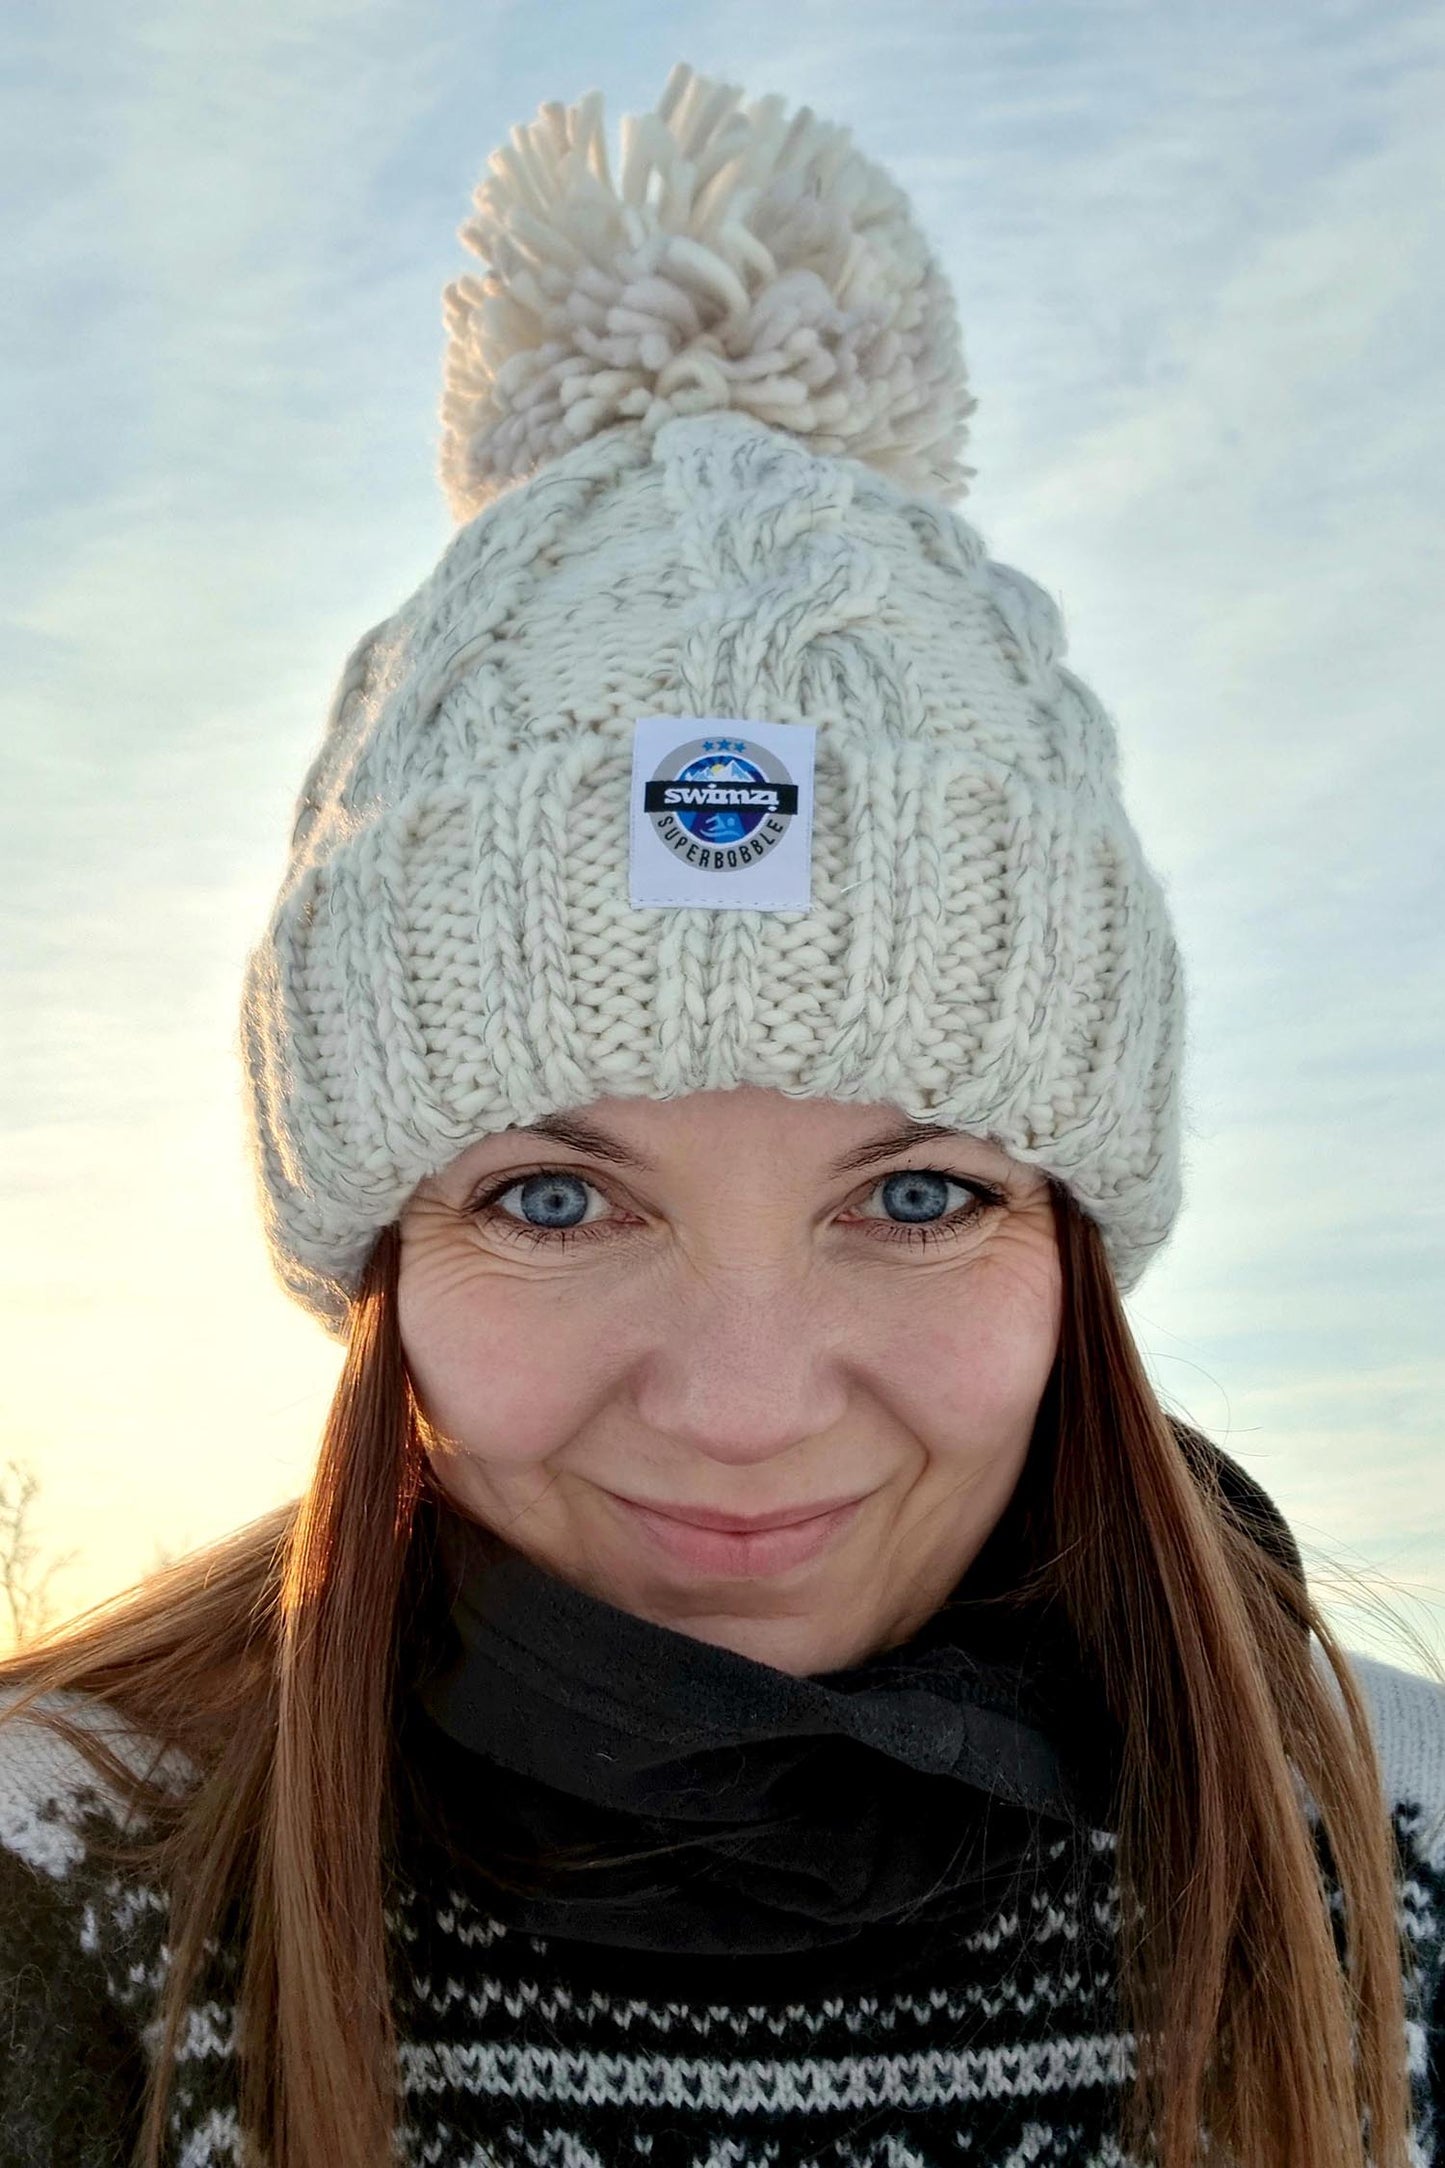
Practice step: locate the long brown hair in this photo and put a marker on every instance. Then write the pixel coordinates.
(272, 1662)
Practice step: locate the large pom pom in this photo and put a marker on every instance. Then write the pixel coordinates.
(744, 261)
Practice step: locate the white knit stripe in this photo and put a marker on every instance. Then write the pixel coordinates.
(890, 2151)
(125, 1904)
(214, 2140)
(930, 2079)
(485, 2000)
(209, 2032)
(474, 1931)
(1046, 2145)
(556, 2149)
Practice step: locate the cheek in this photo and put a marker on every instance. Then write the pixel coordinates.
(506, 1374)
(971, 1369)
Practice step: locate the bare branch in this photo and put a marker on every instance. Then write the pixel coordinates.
(24, 1582)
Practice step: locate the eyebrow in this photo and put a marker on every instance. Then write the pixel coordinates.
(583, 1137)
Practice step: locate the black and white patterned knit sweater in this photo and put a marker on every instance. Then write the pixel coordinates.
(991, 2046)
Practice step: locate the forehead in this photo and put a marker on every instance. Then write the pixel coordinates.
(747, 1122)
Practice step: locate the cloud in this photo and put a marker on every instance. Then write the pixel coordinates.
(1193, 251)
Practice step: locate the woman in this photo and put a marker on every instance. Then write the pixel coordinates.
(715, 1060)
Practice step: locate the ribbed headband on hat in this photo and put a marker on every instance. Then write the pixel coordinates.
(701, 429)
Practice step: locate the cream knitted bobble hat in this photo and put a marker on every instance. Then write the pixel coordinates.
(701, 429)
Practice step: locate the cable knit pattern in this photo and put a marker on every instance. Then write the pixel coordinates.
(453, 949)
(923, 2046)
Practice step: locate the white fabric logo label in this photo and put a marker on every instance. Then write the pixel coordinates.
(722, 813)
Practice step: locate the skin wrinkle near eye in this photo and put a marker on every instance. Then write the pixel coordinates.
(485, 1200)
(749, 1352)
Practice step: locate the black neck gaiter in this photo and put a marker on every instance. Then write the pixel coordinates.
(620, 1782)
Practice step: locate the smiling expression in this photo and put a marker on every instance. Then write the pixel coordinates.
(744, 1302)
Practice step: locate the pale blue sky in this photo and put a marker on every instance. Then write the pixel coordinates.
(1196, 251)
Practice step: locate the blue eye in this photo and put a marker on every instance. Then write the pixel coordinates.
(552, 1203)
(552, 1206)
(916, 1195)
(918, 1200)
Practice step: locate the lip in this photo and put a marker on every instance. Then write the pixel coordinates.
(731, 1553)
(740, 1524)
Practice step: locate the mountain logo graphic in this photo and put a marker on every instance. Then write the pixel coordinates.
(720, 803)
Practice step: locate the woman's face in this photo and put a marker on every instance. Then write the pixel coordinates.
(741, 1302)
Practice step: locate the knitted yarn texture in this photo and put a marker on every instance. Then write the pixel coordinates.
(742, 261)
(702, 431)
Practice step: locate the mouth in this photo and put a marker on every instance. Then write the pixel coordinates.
(740, 1524)
(733, 1551)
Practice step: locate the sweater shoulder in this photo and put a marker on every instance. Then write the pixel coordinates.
(49, 1787)
(73, 2064)
(1406, 1710)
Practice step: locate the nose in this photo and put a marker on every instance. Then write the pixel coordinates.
(741, 1368)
